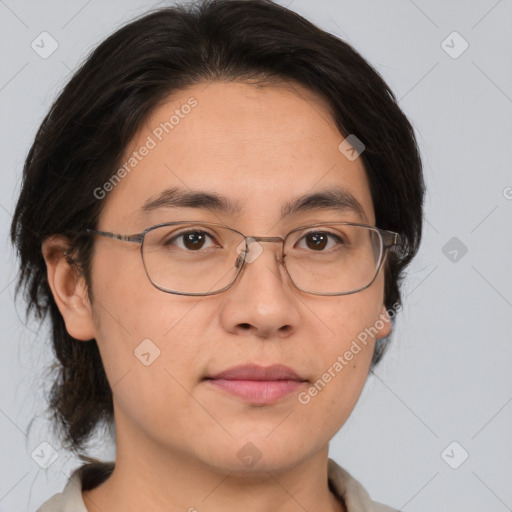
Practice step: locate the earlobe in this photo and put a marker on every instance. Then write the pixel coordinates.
(383, 324)
(68, 288)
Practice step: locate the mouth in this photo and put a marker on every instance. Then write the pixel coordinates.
(257, 385)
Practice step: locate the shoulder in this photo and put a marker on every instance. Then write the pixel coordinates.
(69, 500)
(355, 496)
(85, 477)
(379, 507)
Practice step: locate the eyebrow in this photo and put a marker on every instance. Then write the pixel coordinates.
(328, 199)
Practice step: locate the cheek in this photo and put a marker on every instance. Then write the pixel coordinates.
(350, 318)
(144, 335)
(344, 355)
(149, 346)
(144, 329)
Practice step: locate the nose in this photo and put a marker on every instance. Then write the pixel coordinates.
(262, 302)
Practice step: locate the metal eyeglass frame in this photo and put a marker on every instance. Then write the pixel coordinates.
(387, 238)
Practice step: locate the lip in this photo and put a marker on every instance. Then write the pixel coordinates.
(261, 385)
(259, 373)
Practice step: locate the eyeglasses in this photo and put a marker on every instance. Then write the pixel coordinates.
(204, 258)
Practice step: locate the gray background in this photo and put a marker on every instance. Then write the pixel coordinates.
(446, 378)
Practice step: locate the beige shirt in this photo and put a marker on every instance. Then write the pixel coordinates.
(342, 484)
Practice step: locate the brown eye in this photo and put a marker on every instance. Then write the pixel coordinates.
(319, 240)
(190, 240)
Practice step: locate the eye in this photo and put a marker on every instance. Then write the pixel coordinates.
(319, 240)
(189, 240)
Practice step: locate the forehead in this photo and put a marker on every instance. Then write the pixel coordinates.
(257, 147)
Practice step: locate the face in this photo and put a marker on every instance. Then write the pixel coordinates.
(262, 147)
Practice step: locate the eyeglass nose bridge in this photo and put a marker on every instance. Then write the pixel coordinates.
(245, 254)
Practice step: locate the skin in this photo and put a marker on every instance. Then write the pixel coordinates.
(177, 438)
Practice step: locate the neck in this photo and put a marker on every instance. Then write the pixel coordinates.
(149, 477)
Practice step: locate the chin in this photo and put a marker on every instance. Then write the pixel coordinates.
(260, 453)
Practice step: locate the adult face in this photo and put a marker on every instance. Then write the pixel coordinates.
(261, 147)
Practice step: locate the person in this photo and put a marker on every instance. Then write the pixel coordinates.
(216, 216)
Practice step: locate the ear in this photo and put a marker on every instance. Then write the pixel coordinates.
(383, 324)
(68, 288)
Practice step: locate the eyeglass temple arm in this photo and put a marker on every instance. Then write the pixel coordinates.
(125, 238)
(390, 238)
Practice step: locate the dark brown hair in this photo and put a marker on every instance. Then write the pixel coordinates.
(83, 137)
